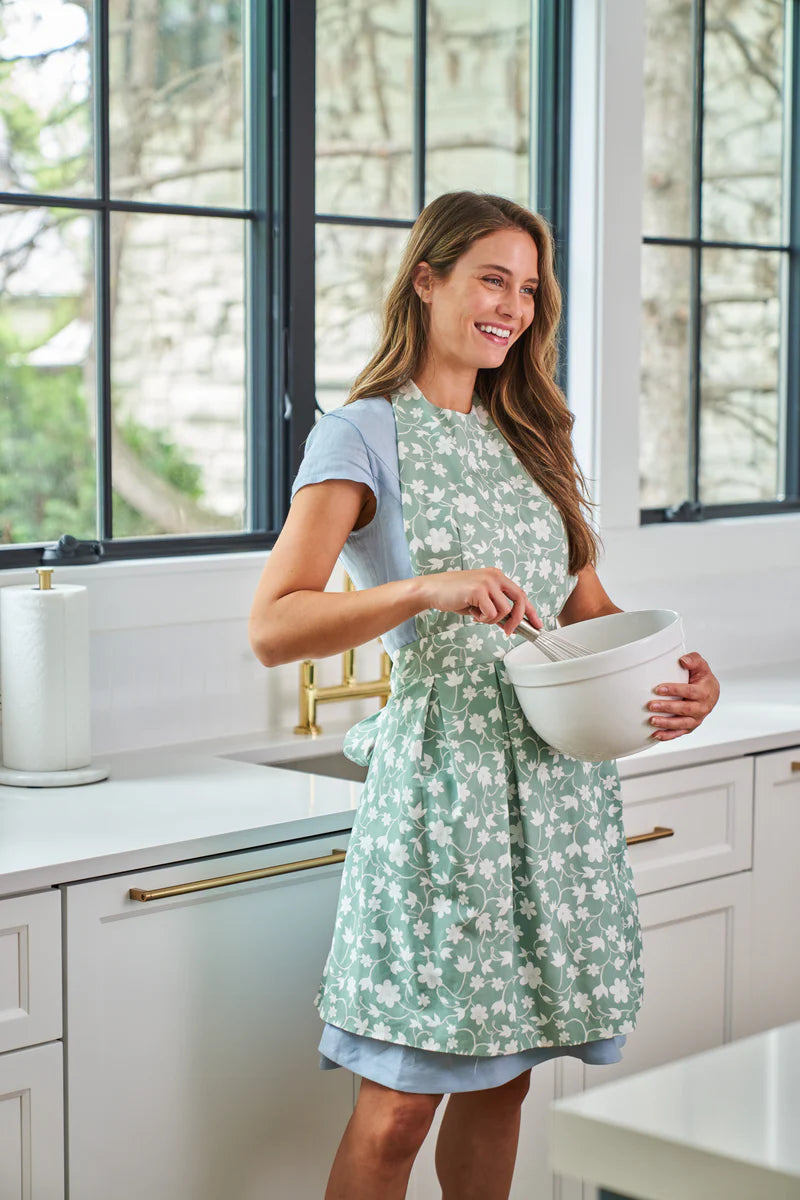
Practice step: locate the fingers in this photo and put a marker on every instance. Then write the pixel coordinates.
(503, 602)
(680, 708)
(688, 691)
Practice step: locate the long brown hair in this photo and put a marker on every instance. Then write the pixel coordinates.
(522, 397)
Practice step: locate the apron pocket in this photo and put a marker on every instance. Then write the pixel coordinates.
(360, 740)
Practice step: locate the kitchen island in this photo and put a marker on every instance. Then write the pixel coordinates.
(721, 1125)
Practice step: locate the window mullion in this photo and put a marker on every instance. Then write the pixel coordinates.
(420, 103)
(260, 332)
(553, 71)
(696, 284)
(792, 465)
(103, 277)
(295, 233)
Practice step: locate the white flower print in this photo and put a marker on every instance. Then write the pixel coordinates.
(430, 975)
(438, 539)
(398, 853)
(442, 834)
(466, 504)
(594, 850)
(620, 991)
(487, 903)
(387, 994)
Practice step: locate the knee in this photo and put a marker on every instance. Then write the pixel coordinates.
(402, 1123)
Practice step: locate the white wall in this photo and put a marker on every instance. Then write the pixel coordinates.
(171, 661)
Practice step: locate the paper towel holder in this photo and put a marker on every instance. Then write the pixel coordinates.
(72, 777)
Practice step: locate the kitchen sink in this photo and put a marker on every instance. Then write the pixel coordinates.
(334, 764)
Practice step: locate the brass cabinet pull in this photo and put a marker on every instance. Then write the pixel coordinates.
(202, 885)
(796, 766)
(658, 831)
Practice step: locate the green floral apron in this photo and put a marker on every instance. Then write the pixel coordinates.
(487, 903)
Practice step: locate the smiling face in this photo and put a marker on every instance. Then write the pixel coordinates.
(484, 305)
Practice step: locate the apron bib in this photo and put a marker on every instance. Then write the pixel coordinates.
(487, 904)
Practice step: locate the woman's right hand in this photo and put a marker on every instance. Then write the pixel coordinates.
(487, 595)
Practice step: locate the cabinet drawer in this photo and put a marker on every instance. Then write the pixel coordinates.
(30, 970)
(709, 810)
(32, 1124)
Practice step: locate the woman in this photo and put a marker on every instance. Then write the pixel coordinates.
(487, 917)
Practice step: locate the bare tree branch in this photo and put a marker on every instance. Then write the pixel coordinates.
(723, 25)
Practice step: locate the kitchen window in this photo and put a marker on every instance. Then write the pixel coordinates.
(720, 369)
(201, 203)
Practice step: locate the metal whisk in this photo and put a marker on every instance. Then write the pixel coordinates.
(552, 645)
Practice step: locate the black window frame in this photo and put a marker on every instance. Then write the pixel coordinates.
(281, 219)
(691, 508)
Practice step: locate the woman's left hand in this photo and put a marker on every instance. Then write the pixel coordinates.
(684, 705)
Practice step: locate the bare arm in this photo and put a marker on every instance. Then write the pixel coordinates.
(293, 617)
(588, 599)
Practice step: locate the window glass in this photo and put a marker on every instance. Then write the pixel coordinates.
(47, 375)
(668, 118)
(45, 97)
(666, 356)
(365, 107)
(177, 374)
(743, 121)
(739, 409)
(355, 267)
(714, 400)
(478, 93)
(176, 102)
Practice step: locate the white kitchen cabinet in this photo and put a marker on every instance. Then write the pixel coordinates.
(775, 962)
(31, 1078)
(32, 1124)
(697, 942)
(191, 1033)
(30, 970)
(696, 948)
(690, 824)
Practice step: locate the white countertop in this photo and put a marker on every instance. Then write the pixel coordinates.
(181, 802)
(721, 1125)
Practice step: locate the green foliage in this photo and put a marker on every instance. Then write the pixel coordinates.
(23, 127)
(47, 482)
(163, 458)
(47, 455)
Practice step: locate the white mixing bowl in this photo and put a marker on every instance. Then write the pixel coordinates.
(594, 708)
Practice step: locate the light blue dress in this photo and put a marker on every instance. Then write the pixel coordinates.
(359, 442)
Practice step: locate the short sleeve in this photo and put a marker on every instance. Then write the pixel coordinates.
(335, 449)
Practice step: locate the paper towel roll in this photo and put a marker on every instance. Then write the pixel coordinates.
(44, 678)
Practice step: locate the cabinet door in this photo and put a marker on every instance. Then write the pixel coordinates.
(776, 900)
(30, 970)
(192, 1037)
(697, 943)
(32, 1124)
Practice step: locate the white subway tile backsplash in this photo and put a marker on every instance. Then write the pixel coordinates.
(171, 660)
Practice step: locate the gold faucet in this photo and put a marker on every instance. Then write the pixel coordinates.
(349, 689)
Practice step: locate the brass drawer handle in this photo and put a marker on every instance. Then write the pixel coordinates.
(796, 766)
(202, 885)
(658, 831)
